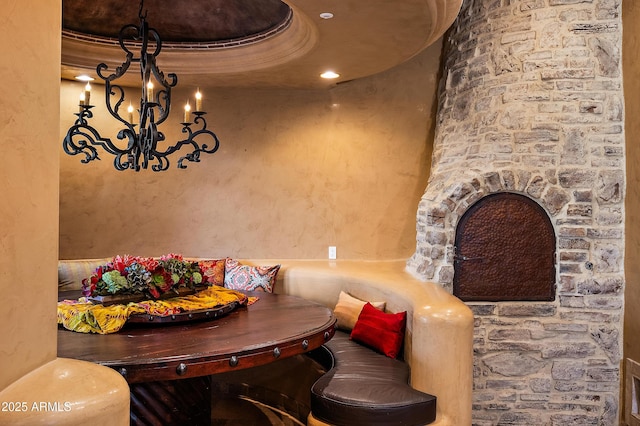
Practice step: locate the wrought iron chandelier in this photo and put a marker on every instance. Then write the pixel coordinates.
(140, 144)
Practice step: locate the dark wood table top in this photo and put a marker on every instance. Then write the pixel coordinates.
(276, 326)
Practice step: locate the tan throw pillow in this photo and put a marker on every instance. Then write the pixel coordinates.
(348, 309)
(72, 272)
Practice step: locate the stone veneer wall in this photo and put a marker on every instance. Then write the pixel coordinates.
(531, 102)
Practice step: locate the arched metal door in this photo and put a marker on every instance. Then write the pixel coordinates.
(505, 250)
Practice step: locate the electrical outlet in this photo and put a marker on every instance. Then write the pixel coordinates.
(332, 252)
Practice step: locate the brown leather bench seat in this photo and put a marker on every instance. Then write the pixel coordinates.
(362, 387)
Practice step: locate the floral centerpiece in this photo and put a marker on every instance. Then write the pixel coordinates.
(133, 275)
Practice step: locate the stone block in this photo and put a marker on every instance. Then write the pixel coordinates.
(569, 327)
(580, 210)
(565, 2)
(533, 397)
(600, 387)
(537, 136)
(513, 364)
(540, 385)
(599, 285)
(591, 107)
(569, 268)
(510, 334)
(573, 41)
(436, 217)
(608, 56)
(513, 37)
(527, 310)
(567, 74)
(567, 284)
(555, 199)
(603, 374)
(575, 14)
(446, 275)
(594, 28)
(573, 221)
(538, 161)
(573, 256)
(482, 310)
(569, 350)
(612, 151)
(584, 196)
(562, 370)
(608, 338)
(609, 216)
(604, 302)
(514, 346)
(506, 384)
(507, 396)
(614, 108)
(565, 231)
(569, 386)
(572, 301)
(435, 238)
(577, 178)
(573, 243)
(609, 415)
(520, 418)
(593, 317)
(608, 163)
(607, 257)
(609, 187)
(574, 419)
(536, 186)
(566, 406)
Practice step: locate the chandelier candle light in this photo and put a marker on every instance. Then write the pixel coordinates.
(139, 143)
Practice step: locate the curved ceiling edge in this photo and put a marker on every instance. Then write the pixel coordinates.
(286, 46)
(361, 40)
(443, 14)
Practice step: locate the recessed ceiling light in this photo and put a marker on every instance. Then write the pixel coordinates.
(84, 77)
(326, 15)
(329, 75)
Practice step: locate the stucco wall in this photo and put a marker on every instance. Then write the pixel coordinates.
(29, 185)
(297, 171)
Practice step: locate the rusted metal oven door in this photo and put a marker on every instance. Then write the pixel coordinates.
(505, 250)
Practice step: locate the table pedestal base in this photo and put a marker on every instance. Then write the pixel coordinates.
(172, 402)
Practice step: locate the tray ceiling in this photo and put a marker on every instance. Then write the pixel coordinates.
(247, 43)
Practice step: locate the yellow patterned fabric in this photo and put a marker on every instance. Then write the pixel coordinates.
(85, 317)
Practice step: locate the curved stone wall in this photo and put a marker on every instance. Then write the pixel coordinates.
(531, 102)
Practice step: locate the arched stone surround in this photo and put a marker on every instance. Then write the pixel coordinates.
(531, 102)
(444, 203)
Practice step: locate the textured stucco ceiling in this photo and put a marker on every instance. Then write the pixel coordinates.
(258, 44)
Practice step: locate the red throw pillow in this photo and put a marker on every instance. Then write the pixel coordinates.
(381, 331)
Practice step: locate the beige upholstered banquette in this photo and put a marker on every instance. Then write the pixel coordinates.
(438, 341)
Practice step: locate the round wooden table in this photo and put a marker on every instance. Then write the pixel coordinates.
(168, 366)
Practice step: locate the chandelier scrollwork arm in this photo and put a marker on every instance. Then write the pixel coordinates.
(197, 141)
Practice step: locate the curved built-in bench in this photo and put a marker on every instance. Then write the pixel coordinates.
(438, 345)
(67, 392)
(366, 388)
